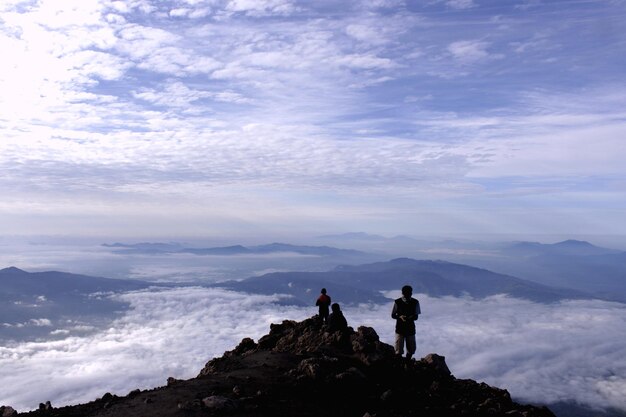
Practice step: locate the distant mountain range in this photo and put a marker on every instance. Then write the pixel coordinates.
(53, 284)
(364, 283)
(161, 248)
(567, 247)
(33, 304)
(572, 263)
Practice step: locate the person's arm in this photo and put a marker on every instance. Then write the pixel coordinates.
(394, 312)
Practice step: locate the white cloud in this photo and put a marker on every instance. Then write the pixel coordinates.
(41, 322)
(10, 5)
(556, 135)
(377, 4)
(174, 94)
(32, 322)
(571, 350)
(191, 325)
(231, 97)
(49, 66)
(572, 152)
(460, 4)
(180, 12)
(469, 51)
(141, 41)
(367, 33)
(365, 61)
(261, 7)
(55, 15)
(456, 4)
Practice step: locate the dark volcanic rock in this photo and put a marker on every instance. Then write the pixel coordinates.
(437, 362)
(300, 369)
(6, 411)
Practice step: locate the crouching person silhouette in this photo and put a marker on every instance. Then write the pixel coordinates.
(405, 311)
(336, 320)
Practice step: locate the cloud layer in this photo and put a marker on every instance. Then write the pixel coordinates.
(540, 353)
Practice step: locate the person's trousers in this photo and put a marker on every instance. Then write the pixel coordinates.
(323, 316)
(401, 339)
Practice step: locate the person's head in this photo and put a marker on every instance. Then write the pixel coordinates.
(407, 291)
(335, 307)
(323, 290)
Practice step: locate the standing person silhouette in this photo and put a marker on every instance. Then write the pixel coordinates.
(405, 311)
(323, 301)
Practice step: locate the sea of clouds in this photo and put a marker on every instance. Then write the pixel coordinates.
(572, 350)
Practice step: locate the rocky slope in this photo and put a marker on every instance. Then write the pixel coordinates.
(300, 369)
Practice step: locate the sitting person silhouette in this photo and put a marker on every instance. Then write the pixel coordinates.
(336, 320)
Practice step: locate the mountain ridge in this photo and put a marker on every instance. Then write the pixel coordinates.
(62, 300)
(275, 247)
(565, 247)
(355, 284)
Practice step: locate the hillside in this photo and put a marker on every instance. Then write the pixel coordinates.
(574, 264)
(33, 303)
(300, 369)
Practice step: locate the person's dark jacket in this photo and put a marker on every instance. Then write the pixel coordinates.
(410, 309)
(323, 302)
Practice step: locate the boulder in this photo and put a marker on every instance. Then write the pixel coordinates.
(219, 403)
(6, 411)
(368, 347)
(437, 362)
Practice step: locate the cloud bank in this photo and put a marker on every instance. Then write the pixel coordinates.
(168, 333)
(573, 350)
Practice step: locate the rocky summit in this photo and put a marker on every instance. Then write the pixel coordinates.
(302, 369)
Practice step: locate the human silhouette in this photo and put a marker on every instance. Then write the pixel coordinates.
(405, 311)
(336, 320)
(323, 301)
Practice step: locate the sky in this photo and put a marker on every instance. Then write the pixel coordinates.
(285, 117)
(541, 353)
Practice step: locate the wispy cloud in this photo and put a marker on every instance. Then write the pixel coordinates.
(469, 51)
(460, 4)
(111, 100)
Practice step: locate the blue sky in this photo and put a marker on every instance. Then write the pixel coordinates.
(280, 117)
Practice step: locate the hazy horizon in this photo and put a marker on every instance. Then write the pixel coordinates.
(78, 254)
